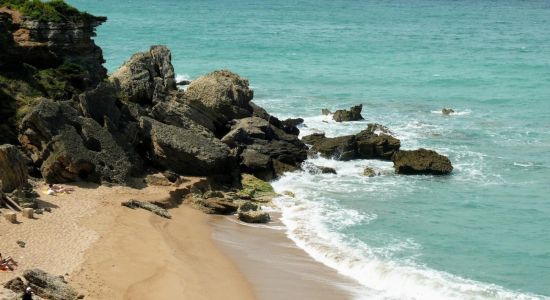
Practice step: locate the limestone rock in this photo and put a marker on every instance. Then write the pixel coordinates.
(221, 96)
(16, 285)
(147, 78)
(13, 169)
(421, 161)
(248, 206)
(218, 206)
(354, 114)
(48, 286)
(185, 151)
(70, 147)
(376, 146)
(256, 188)
(261, 143)
(325, 112)
(157, 210)
(314, 138)
(254, 216)
(340, 148)
(369, 172)
(447, 111)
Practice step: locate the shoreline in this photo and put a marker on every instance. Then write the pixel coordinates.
(276, 267)
(107, 251)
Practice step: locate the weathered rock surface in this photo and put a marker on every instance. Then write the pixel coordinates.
(221, 96)
(264, 149)
(147, 78)
(364, 145)
(13, 169)
(256, 189)
(16, 285)
(421, 161)
(354, 114)
(248, 206)
(218, 206)
(70, 147)
(185, 151)
(380, 146)
(157, 210)
(48, 286)
(252, 216)
(369, 172)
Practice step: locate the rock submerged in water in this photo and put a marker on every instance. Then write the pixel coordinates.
(365, 145)
(353, 114)
(447, 111)
(421, 161)
(369, 172)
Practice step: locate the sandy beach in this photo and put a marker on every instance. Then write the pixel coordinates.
(107, 251)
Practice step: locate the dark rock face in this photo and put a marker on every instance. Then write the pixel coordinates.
(421, 161)
(264, 149)
(70, 147)
(185, 150)
(48, 286)
(364, 145)
(13, 169)
(354, 114)
(147, 78)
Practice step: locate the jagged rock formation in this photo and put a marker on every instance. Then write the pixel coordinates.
(147, 78)
(265, 150)
(57, 59)
(353, 114)
(421, 161)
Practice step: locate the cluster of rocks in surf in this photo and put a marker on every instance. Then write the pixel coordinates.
(73, 122)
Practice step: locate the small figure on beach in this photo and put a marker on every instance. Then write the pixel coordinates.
(54, 189)
(28, 294)
(7, 263)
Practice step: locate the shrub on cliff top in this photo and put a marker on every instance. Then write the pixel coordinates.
(50, 11)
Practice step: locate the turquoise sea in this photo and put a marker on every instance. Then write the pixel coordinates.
(481, 233)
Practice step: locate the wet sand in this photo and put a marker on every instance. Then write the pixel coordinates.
(275, 266)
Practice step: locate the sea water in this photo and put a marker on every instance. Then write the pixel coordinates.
(482, 232)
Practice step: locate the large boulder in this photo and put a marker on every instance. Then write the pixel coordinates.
(221, 96)
(264, 149)
(48, 286)
(354, 114)
(188, 151)
(252, 216)
(147, 78)
(70, 147)
(421, 161)
(13, 169)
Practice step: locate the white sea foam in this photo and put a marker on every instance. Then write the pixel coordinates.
(315, 221)
(181, 77)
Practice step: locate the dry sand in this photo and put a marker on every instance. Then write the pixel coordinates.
(107, 251)
(112, 252)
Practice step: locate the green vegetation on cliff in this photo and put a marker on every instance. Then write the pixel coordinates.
(49, 11)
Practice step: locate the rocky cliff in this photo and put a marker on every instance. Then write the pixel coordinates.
(53, 57)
